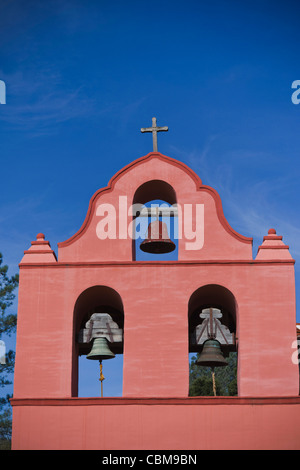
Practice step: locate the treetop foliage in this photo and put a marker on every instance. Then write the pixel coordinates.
(226, 379)
(7, 285)
(8, 322)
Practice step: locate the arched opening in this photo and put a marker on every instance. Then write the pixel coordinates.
(154, 201)
(212, 312)
(155, 189)
(98, 302)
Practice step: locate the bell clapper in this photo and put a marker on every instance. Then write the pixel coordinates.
(101, 378)
(214, 381)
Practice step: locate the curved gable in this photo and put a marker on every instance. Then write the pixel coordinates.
(204, 235)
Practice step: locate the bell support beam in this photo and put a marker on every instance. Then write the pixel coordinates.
(158, 212)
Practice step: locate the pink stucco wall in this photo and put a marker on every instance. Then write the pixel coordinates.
(155, 297)
(170, 424)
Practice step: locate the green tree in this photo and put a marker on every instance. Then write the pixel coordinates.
(8, 322)
(225, 377)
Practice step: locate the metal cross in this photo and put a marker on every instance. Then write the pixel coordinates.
(154, 129)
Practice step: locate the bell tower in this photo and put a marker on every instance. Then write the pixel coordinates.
(97, 298)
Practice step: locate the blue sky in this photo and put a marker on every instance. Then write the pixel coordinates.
(82, 77)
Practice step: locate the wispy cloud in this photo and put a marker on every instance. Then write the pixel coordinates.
(251, 208)
(36, 102)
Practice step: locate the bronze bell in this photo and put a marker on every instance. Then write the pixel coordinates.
(157, 239)
(211, 355)
(100, 350)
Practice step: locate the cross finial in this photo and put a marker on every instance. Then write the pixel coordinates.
(154, 129)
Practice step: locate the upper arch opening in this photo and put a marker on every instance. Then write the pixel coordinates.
(98, 299)
(156, 195)
(211, 296)
(155, 190)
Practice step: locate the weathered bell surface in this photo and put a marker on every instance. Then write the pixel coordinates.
(157, 239)
(100, 350)
(211, 355)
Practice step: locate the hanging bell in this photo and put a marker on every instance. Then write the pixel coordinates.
(100, 350)
(211, 355)
(157, 239)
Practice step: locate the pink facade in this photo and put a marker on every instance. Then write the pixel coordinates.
(156, 300)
